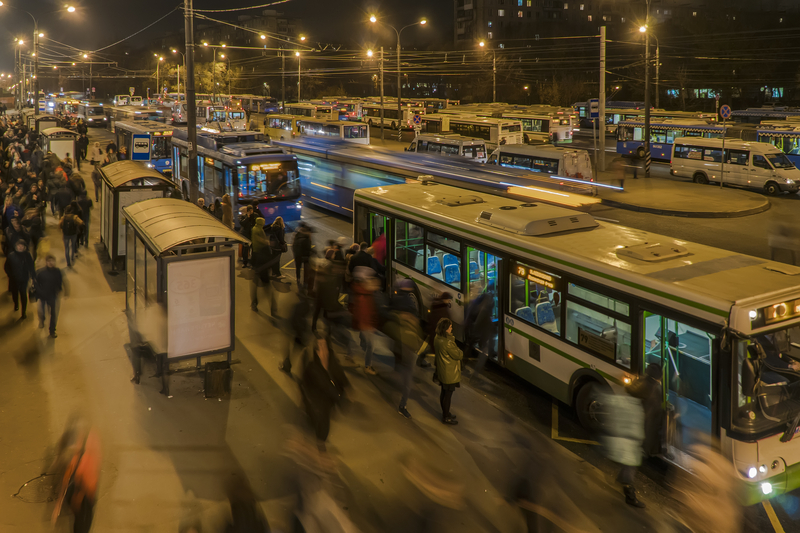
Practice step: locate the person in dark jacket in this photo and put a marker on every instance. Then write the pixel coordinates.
(83, 148)
(63, 197)
(448, 367)
(77, 185)
(20, 270)
(32, 222)
(301, 249)
(246, 223)
(86, 205)
(364, 311)
(648, 390)
(262, 266)
(277, 241)
(49, 284)
(323, 386)
(216, 209)
(360, 259)
(299, 324)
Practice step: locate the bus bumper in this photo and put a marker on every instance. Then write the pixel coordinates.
(766, 489)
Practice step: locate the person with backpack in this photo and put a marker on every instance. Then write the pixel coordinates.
(70, 224)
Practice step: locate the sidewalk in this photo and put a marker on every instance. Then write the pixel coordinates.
(672, 197)
(164, 456)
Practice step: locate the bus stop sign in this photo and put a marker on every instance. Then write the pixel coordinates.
(141, 147)
(594, 108)
(725, 112)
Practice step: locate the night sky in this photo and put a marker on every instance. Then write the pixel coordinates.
(99, 23)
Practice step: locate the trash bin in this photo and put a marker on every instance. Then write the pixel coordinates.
(218, 379)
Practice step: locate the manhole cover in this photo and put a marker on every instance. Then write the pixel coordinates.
(38, 490)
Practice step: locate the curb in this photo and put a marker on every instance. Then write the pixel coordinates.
(688, 214)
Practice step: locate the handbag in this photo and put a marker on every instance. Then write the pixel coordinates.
(284, 247)
(32, 296)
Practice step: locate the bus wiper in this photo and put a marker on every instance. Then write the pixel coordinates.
(790, 431)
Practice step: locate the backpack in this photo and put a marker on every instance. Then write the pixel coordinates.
(70, 227)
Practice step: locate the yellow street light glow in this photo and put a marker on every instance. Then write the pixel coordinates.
(263, 36)
(205, 44)
(1, 3)
(302, 37)
(481, 44)
(642, 29)
(21, 41)
(222, 56)
(41, 35)
(85, 56)
(526, 87)
(223, 46)
(297, 54)
(161, 59)
(369, 53)
(54, 67)
(71, 9)
(174, 51)
(155, 55)
(73, 63)
(373, 19)
(423, 22)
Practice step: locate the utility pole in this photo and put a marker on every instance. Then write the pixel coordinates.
(494, 76)
(399, 105)
(658, 67)
(298, 76)
(35, 66)
(381, 92)
(214, 78)
(647, 93)
(191, 103)
(283, 81)
(600, 157)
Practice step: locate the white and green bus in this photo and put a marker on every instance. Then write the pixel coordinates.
(582, 306)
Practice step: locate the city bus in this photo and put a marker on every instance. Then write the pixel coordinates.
(786, 139)
(579, 307)
(543, 127)
(242, 165)
(281, 127)
(756, 115)
(325, 110)
(394, 119)
(208, 112)
(449, 145)
(341, 130)
(128, 112)
(156, 135)
(545, 158)
(349, 108)
(495, 131)
(301, 109)
(630, 136)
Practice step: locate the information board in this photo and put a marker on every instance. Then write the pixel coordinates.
(199, 306)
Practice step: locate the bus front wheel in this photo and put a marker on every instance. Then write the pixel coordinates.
(640, 153)
(700, 178)
(587, 405)
(772, 189)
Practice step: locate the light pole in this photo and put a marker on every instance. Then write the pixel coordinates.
(158, 78)
(422, 22)
(86, 56)
(646, 30)
(228, 72)
(297, 54)
(18, 70)
(494, 71)
(179, 72)
(369, 54)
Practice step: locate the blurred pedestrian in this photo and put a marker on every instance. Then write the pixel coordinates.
(96, 179)
(479, 328)
(262, 258)
(216, 209)
(246, 514)
(20, 270)
(246, 222)
(86, 205)
(323, 386)
(301, 249)
(648, 389)
(623, 433)
(70, 224)
(96, 154)
(33, 225)
(227, 211)
(49, 285)
(300, 328)
(201, 203)
(79, 485)
(326, 288)
(277, 241)
(448, 367)
(403, 328)
(440, 308)
(364, 311)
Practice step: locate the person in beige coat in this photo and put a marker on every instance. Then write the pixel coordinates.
(448, 366)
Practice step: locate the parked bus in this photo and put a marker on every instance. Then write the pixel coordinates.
(301, 109)
(93, 114)
(495, 131)
(449, 145)
(242, 165)
(208, 112)
(281, 127)
(630, 136)
(755, 115)
(128, 112)
(334, 129)
(556, 160)
(404, 119)
(543, 127)
(578, 307)
(743, 164)
(147, 141)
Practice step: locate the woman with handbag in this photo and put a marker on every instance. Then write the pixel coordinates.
(277, 241)
(448, 367)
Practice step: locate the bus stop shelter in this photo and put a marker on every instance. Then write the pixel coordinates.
(123, 183)
(43, 122)
(60, 141)
(179, 280)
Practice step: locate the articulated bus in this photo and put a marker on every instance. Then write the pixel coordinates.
(147, 141)
(581, 307)
(340, 130)
(630, 136)
(243, 165)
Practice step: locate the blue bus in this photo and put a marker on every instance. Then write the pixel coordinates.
(133, 134)
(630, 136)
(754, 115)
(787, 140)
(243, 165)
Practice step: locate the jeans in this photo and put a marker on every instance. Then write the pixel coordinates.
(43, 305)
(70, 242)
(368, 340)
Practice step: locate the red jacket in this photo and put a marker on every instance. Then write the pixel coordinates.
(363, 308)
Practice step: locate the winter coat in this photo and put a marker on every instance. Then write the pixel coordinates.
(19, 267)
(246, 222)
(623, 422)
(403, 328)
(277, 238)
(95, 154)
(301, 247)
(361, 258)
(227, 211)
(49, 283)
(362, 306)
(327, 289)
(448, 355)
(648, 390)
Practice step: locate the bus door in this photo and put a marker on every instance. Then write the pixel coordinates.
(481, 318)
(681, 356)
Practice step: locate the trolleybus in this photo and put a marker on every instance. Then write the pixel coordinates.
(135, 134)
(630, 136)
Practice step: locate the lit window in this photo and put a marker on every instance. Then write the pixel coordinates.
(694, 13)
(581, 7)
(566, 5)
(590, 18)
(519, 3)
(489, 35)
(519, 14)
(501, 45)
(605, 18)
(501, 12)
(528, 4)
(623, 19)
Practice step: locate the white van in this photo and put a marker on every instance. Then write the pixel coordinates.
(746, 164)
(92, 114)
(545, 158)
(450, 145)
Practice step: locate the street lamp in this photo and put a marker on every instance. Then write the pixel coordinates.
(369, 54)
(158, 80)
(174, 51)
(297, 54)
(422, 22)
(646, 31)
(482, 44)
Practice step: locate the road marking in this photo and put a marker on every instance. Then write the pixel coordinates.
(287, 264)
(606, 219)
(554, 432)
(773, 518)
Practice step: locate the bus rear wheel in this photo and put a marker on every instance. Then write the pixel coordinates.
(587, 406)
(700, 178)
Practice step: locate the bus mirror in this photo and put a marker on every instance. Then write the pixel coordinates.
(748, 378)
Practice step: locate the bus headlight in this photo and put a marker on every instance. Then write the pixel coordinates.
(766, 488)
(752, 472)
(91, 120)
(789, 182)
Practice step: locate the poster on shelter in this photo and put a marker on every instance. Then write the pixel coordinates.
(198, 306)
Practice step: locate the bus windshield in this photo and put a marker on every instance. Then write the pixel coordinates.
(160, 147)
(780, 161)
(94, 111)
(277, 179)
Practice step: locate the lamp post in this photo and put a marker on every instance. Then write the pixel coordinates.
(369, 54)
(422, 22)
(494, 71)
(228, 72)
(86, 56)
(297, 54)
(158, 78)
(18, 70)
(179, 72)
(646, 30)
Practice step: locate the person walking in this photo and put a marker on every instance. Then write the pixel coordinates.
(49, 284)
(96, 180)
(246, 223)
(323, 386)
(70, 224)
(623, 424)
(301, 249)
(365, 312)
(96, 154)
(403, 328)
(648, 389)
(448, 367)
(216, 209)
(300, 327)
(83, 148)
(86, 205)
(227, 211)
(262, 257)
(20, 270)
(277, 241)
